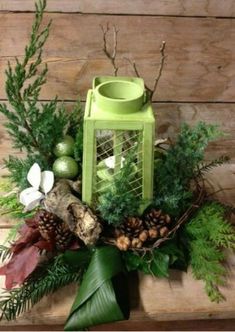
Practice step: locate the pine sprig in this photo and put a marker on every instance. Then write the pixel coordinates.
(5, 253)
(14, 231)
(43, 281)
(207, 167)
(207, 233)
(19, 168)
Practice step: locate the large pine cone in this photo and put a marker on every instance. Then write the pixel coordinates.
(53, 229)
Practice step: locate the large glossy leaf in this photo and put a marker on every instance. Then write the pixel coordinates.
(77, 259)
(160, 264)
(100, 298)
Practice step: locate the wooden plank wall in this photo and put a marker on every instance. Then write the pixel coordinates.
(199, 76)
(197, 81)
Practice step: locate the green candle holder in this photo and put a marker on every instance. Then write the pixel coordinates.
(117, 117)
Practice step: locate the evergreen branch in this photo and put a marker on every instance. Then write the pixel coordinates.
(13, 232)
(19, 168)
(119, 200)
(179, 166)
(5, 253)
(44, 280)
(207, 167)
(208, 232)
(33, 127)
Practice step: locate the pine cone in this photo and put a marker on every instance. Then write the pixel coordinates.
(47, 223)
(53, 229)
(157, 223)
(132, 227)
(63, 236)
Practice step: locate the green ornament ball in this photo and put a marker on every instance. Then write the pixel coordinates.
(65, 167)
(65, 147)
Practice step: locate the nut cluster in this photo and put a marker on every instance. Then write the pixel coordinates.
(136, 232)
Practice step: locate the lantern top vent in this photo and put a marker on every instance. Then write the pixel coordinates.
(120, 95)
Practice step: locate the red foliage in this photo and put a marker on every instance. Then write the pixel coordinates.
(26, 253)
(20, 266)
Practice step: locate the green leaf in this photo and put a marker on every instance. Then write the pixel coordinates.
(178, 254)
(77, 259)
(160, 264)
(132, 260)
(99, 298)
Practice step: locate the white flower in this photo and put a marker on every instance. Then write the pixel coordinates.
(31, 197)
(110, 161)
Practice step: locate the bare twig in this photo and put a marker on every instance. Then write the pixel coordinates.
(151, 91)
(137, 74)
(163, 57)
(110, 55)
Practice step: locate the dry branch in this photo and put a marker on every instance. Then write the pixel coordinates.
(151, 91)
(77, 216)
(111, 55)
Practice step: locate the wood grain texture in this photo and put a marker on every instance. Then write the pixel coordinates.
(142, 7)
(200, 63)
(140, 325)
(169, 118)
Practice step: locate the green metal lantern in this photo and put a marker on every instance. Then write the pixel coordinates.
(117, 118)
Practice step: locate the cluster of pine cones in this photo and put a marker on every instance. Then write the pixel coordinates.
(136, 232)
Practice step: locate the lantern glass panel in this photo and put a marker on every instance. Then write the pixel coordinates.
(113, 147)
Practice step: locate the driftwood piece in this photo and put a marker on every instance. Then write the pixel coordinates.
(68, 207)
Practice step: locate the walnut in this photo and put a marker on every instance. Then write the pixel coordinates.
(123, 242)
(143, 236)
(136, 243)
(153, 233)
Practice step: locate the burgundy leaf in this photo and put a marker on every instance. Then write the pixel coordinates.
(20, 266)
(43, 244)
(30, 236)
(32, 222)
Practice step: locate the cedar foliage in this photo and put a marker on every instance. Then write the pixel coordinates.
(176, 169)
(33, 127)
(207, 233)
